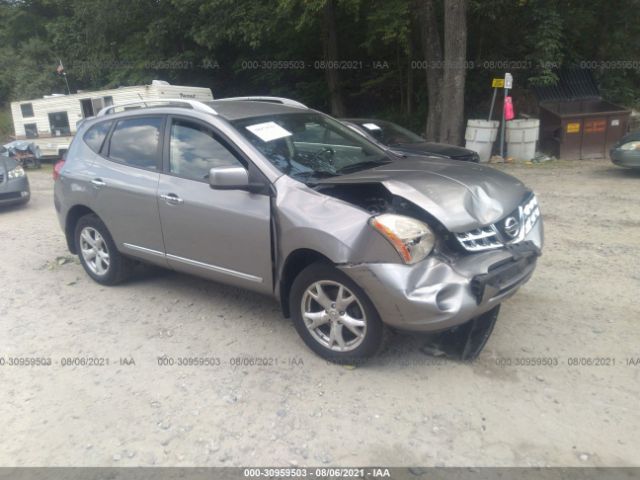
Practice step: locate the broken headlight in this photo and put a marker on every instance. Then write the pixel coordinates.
(412, 238)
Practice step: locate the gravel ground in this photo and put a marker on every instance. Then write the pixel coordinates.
(579, 314)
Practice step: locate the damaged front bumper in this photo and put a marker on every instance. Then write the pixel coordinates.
(441, 293)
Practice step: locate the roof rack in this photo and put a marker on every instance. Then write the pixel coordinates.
(166, 102)
(281, 100)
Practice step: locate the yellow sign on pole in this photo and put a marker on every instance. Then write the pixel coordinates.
(497, 83)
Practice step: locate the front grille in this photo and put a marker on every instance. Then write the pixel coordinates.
(479, 239)
(1, 177)
(511, 229)
(530, 215)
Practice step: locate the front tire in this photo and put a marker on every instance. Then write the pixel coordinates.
(334, 316)
(98, 253)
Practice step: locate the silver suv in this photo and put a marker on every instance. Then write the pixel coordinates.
(269, 195)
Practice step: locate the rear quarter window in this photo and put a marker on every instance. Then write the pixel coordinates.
(95, 136)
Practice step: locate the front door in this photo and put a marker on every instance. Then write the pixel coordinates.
(220, 234)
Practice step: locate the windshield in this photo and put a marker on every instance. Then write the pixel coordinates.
(389, 133)
(308, 146)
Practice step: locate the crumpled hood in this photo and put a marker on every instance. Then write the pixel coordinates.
(461, 195)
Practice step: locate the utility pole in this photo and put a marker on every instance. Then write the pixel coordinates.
(508, 84)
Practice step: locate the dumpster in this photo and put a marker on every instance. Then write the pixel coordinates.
(575, 122)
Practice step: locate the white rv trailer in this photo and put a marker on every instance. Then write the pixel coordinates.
(50, 122)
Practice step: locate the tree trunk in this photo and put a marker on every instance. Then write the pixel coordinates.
(330, 50)
(430, 36)
(409, 99)
(410, 91)
(400, 78)
(455, 57)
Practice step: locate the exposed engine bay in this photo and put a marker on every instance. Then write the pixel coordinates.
(376, 199)
(373, 197)
(464, 342)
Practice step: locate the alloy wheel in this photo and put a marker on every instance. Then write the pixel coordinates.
(334, 316)
(94, 251)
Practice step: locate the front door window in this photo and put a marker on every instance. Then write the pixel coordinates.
(195, 150)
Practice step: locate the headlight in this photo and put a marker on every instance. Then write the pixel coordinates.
(412, 238)
(630, 146)
(17, 172)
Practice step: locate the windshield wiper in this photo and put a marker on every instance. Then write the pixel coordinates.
(309, 177)
(362, 166)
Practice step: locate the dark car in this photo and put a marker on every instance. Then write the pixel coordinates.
(14, 185)
(401, 141)
(626, 153)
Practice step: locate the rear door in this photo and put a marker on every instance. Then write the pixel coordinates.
(125, 181)
(220, 234)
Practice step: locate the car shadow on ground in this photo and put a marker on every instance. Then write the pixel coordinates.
(611, 171)
(405, 348)
(198, 289)
(13, 208)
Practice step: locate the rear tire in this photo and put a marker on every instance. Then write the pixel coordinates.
(98, 253)
(334, 316)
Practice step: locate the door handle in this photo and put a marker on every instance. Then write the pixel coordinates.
(98, 182)
(172, 198)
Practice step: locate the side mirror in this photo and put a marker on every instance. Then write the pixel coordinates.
(229, 178)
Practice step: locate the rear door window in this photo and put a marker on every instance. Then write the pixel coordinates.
(136, 142)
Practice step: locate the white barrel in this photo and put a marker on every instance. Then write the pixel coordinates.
(480, 136)
(522, 136)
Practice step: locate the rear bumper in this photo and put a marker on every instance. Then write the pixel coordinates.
(15, 191)
(438, 293)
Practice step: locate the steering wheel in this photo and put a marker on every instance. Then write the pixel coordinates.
(325, 153)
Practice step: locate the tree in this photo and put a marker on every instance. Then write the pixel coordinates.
(455, 70)
(326, 14)
(431, 45)
(331, 57)
(446, 69)
(545, 40)
(106, 43)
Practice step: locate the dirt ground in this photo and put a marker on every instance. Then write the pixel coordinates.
(558, 383)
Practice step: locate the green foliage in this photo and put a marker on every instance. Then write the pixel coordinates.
(6, 125)
(546, 41)
(106, 43)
